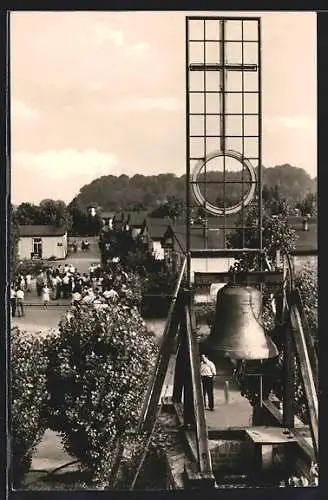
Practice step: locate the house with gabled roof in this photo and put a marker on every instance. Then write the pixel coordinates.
(136, 221)
(152, 233)
(128, 221)
(174, 244)
(306, 246)
(42, 242)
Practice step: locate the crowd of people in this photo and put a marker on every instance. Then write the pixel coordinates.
(97, 286)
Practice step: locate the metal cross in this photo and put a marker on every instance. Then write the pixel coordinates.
(223, 68)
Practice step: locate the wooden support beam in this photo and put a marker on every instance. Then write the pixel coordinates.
(178, 375)
(299, 432)
(198, 480)
(204, 456)
(297, 299)
(149, 409)
(228, 433)
(204, 280)
(189, 435)
(189, 418)
(289, 381)
(289, 357)
(306, 373)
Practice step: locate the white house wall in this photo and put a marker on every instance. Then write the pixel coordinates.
(210, 265)
(158, 250)
(50, 247)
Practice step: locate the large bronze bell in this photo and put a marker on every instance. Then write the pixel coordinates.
(237, 331)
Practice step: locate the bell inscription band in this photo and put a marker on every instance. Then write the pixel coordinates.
(237, 330)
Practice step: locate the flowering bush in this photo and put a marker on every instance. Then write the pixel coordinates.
(273, 369)
(128, 285)
(277, 235)
(32, 267)
(99, 365)
(28, 395)
(307, 283)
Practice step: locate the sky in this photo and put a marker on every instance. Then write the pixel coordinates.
(99, 93)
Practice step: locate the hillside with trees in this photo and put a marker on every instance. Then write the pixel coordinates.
(75, 218)
(285, 188)
(142, 192)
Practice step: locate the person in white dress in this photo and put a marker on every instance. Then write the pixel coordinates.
(28, 279)
(45, 296)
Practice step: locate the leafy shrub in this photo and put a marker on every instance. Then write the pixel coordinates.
(277, 234)
(307, 283)
(28, 395)
(205, 313)
(14, 239)
(126, 284)
(273, 369)
(32, 267)
(99, 364)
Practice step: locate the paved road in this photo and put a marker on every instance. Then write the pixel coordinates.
(37, 318)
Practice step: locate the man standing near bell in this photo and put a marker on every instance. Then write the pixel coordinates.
(207, 372)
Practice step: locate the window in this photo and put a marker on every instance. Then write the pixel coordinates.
(37, 246)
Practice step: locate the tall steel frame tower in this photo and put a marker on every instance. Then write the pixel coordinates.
(223, 128)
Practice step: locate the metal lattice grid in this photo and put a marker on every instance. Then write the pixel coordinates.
(223, 123)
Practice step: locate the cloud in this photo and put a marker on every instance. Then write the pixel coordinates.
(148, 104)
(294, 122)
(297, 121)
(22, 111)
(95, 86)
(65, 164)
(139, 49)
(102, 33)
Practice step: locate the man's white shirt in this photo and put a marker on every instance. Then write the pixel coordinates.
(207, 368)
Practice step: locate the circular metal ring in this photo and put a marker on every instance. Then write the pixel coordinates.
(209, 207)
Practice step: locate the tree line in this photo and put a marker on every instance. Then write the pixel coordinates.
(286, 190)
(76, 218)
(151, 192)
